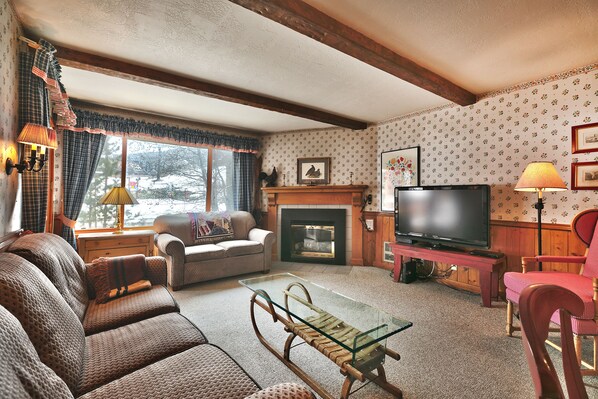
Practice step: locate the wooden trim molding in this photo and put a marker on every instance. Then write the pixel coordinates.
(311, 22)
(321, 195)
(124, 70)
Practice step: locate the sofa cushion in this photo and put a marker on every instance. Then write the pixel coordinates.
(582, 286)
(287, 390)
(242, 223)
(179, 225)
(128, 309)
(22, 373)
(197, 253)
(241, 247)
(60, 263)
(112, 354)
(204, 371)
(52, 326)
(210, 227)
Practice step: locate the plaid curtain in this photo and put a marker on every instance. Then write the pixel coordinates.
(94, 122)
(81, 154)
(243, 181)
(34, 107)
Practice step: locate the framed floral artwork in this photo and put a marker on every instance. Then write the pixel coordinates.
(584, 138)
(584, 176)
(399, 168)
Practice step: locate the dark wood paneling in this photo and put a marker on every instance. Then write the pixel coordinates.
(311, 22)
(514, 239)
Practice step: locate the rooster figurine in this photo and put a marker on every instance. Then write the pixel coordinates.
(269, 179)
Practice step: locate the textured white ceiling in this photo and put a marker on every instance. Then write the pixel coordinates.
(127, 94)
(482, 45)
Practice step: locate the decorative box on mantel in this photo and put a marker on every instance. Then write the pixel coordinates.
(349, 197)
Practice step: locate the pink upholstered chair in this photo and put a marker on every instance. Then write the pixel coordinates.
(537, 304)
(584, 284)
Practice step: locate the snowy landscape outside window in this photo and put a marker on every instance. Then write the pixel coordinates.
(222, 180)
(164, 178)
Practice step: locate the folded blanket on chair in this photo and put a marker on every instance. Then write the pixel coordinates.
(118, 276)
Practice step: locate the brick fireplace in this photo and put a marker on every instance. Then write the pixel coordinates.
(348, 198)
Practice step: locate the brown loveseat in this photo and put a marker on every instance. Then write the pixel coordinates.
(248, 250)
(137, 346)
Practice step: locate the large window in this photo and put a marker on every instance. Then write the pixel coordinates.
(222, 180)
(164, 178)
(108, 175)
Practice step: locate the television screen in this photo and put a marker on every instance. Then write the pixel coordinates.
(449, 215)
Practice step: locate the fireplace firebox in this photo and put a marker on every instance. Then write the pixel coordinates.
(313, 235)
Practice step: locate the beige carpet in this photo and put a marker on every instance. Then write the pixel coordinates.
(455, 349)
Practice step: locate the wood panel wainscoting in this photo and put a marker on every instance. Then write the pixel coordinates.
(514, 239)
(351, 195)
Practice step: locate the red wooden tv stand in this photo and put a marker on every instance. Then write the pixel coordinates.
(488, 267)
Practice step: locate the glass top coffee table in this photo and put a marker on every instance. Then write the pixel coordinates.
(350, 333)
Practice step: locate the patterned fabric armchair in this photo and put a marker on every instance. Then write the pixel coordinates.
(139, 346)
(67, 271)
(247, 250)
(584, 285)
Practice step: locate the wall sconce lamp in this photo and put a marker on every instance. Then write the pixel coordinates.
(118, 196)
(34, 135)
(539, 177)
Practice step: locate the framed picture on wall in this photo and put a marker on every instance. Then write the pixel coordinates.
(399, 168)
(584, 138)
(584, 176)
(313, 171)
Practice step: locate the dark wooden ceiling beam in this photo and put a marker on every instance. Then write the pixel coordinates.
(310, 21)
(111, 67)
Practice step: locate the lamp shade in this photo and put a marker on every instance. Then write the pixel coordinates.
(35, 134)
(118, 196)
(540, 176)
(52, 139)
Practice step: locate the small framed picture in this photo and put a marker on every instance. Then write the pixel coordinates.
(584, 176)
(584, 138)
(399, 168)
(313, 171)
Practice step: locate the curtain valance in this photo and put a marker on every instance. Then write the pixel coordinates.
(94, 122)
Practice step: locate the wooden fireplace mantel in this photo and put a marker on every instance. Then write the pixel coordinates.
(321, 195)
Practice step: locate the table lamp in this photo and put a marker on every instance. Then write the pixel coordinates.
(118, 196)
(539, 177)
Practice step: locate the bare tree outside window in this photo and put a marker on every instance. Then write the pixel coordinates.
(165, 179)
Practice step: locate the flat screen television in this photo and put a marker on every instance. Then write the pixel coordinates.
(454, 216)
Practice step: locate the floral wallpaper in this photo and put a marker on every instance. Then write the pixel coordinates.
(351, 152)
(10, 206)
(489, 142)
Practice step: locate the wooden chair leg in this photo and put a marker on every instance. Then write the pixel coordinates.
(596, 353)
(577, 343)
(509, 318)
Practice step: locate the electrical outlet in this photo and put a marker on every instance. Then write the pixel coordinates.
(453, 268)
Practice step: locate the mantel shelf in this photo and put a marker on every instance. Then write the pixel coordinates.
(316, 189)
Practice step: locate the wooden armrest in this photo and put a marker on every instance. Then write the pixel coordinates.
(546, 258)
